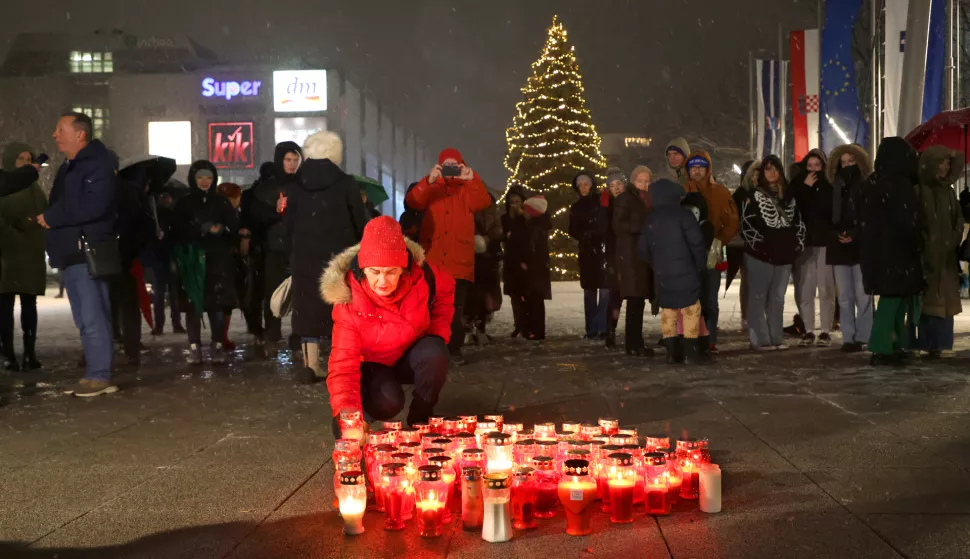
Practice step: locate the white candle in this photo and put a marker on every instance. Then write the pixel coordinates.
(710, 482)
(352, 511)
(497, 524)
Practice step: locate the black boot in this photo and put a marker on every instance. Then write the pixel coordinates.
(419, 412)
(693, 355)
(674, 350)
(704, 345)
(30, 357)
(611, 338)
(9, 356)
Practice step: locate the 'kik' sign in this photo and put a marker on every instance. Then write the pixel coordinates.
(231, 145)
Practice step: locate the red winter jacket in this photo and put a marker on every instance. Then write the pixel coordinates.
(448, 228)
(365, 331)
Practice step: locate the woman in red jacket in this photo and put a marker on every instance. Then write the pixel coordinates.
(392, 322)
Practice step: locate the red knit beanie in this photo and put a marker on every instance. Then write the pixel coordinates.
(450, 153)
(383, 245)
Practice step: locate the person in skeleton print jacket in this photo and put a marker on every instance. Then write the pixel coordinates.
(773, 234)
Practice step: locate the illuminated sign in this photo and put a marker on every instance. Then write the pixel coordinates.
(214, 88)
(637, 141)
(231, 145)
(297, 91)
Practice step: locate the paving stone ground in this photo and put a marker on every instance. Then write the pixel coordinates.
(823, 455)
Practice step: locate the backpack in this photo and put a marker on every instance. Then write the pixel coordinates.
(410, 222)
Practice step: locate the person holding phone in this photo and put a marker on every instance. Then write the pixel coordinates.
(813, 274)
(450, 196)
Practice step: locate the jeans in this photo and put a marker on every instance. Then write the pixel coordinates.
(595, 312)
(855, 305)
(892, 325)
(767, 284)
(91, 308)
(424, 364)
(709, 304)
(217, 325)
(458, 319)
(935, 333)
(166, 281)
(634, 322)
(813, 274)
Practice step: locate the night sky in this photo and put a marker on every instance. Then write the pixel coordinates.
(453, 70)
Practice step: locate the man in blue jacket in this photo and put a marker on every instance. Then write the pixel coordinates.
(83, 202)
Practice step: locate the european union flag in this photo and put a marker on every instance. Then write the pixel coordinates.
(842, 120)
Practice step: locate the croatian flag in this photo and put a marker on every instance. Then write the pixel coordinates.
(771, 81)
(804, 90)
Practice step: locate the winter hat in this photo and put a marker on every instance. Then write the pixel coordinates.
(203, 173)
(536, 206)
(383, 245)
(640, 169)
(229, 189)
(698, 161)
(614, 174)
(450, 153)
(679, 145)
(324, 145)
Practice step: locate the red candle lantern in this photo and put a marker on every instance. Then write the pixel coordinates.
(451, 426)
(472, 500)
(352, 498)
(445, 443)
(544, 432)
(622, 439)
(427, 453)
(675, 475)
(427, 438)
(394, 486)
(600, 472)
(382, 455)
(482, 430)
(408, 435)
(549, 448)
(351, 424)
(622, 480)
(498, 453)
(690, 457)
(412, 447)
(447, 467)
(577, 493)
(571, 426)
(436, 424)
(547, 486)
(524, 499)
(347, 450)
(610, 426)
(565, 436)
(461, 441)
(469, 423)
(422, 427)
(512, 429)
(473, 457)
(498, 420)
(656, 484)
(587, 431)
(393, 425)
(656, 442)
(430, 501)
(523, 451)
(632, 432)
(339, 469)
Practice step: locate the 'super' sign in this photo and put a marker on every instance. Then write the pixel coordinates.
(229, 89)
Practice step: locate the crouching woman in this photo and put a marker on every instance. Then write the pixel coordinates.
(392, 322)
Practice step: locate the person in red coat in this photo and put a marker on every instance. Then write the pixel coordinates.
(392, 322)
(450, 196)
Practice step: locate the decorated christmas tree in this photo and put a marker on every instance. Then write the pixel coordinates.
(552, 138)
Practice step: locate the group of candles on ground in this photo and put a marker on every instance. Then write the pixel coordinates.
(499, 477)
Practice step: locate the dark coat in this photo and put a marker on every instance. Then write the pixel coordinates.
(771, 226)
(846, 190)
(195, 215)
(83, 201)
(258, 204)
(136, 222)
(814, 202)
(944, 232)
(21, 238)
(527, 242)
(674, 246)
(324, 216)
(588, 225)
(488, 285)
(890, 229)
(629, 216)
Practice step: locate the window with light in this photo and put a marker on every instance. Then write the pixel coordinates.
(91, 62)
(99, 118)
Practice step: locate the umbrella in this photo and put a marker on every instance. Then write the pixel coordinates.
(734, 257)
(156, 169)
(191, 266)
(375, 190)
(948, 128)
(144, 300)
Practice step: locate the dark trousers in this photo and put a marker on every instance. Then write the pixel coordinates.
(935, 333)
(596, 311)
(217, 325)
(613, 313)
(424, 364)
(535, 316)
(126, 312)
(518, 312)
(462, 288)
(166, 282)
(634, 322)
(710, 308)
(271, 269)
(28, 318)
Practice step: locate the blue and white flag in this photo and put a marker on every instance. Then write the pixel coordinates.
(772, 81)
(842, 121)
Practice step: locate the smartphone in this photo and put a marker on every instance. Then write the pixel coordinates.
(450, 171)
(42, 160)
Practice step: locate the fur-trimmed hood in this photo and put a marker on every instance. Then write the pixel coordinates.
(334, 288)
(862, 160)
(930, 161)
(749, 179)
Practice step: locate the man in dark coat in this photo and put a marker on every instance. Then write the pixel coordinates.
(207, 223)
(630, 211)
(514, 280)
(535, 267)
(269, 253)
(83, 205)
(588, 225)
(673, 244)
(324, 216)
(158, 256)
(891, 248)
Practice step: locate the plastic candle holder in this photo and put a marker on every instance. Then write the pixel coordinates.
(469, 423)
(633, 432)
(472, 499)
(462, 440)
(498, 420)
(393, 425)
(395, 485)
(656, 484)
(690, 481)
(577, 493)
(549, 448)
(524, 499)
(656, 442)
(427, 438)
(563, 436)
(587, 431)
(352, 498)
(382, 455)
(622, 480)
(448, 476)
(497, 521)
(430, 501)
(600, 470)
(611, 426)
(473, 457)
(710, 490)
(339, 469)
(637, 453)
(482, 430)
(544, 432)
(451, 426)
(436, 424)
(621, 439)
(571, 426)
(523, 451)
(408, 435)
(427, 453)
(546, 479)
(445, 443)
(347, 451)
(498, 453)
(351, 424)
(422, 427)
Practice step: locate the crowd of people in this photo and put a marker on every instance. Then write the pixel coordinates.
(386, 302)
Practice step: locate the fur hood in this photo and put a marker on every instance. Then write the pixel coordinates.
(862, 159)
(324, 145)
(930, 161)
(748, 180)
(334, 288)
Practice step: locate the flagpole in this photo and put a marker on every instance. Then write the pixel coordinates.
(751, 118)
(783, 92)
(952, 35)
(914, 66)
(874, 79)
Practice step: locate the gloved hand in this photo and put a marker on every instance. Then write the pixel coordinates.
(714, 255)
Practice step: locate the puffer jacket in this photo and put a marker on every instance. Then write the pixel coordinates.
(944, 231)
(588, 225)
(366, 331)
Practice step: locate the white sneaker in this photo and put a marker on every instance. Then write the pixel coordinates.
(781, 347)
(195, 355)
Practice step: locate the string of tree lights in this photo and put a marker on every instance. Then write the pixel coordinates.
(552, 139)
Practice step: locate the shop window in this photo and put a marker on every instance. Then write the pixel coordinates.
(91, 62)
(171, 139)
(99, 118)
(298, 129)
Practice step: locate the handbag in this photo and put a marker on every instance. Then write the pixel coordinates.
(281, 300)
(102, 257)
